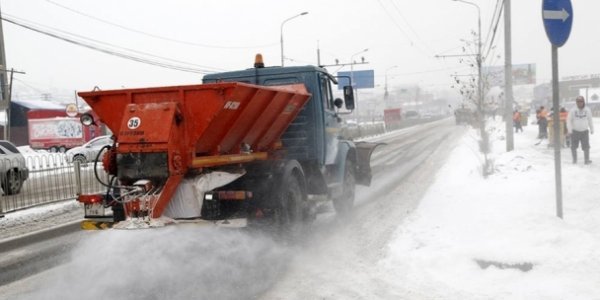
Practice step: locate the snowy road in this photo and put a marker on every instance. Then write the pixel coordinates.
(337, 260)
(341, 261)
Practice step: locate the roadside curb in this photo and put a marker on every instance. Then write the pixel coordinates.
(38, 236)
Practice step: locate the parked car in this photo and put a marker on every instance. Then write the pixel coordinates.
(88, 152)
(13, 168)
(412, 114)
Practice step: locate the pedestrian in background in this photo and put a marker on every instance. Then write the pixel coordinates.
(542, 123)
(580, 125)
(517, 121)
(564, 140)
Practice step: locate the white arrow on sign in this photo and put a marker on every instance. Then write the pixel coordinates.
(556, 15)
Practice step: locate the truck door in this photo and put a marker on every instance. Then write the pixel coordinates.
(332, 121)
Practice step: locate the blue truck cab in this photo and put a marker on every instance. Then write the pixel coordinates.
(331, 165)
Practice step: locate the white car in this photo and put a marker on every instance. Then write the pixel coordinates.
(89, 151)
(13, 168)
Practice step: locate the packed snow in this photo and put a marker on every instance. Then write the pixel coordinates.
(500, 237)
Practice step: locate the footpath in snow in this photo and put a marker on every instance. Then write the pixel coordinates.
(499, 238)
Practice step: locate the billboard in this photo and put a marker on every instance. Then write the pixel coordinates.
(521, 74)
(360, 79)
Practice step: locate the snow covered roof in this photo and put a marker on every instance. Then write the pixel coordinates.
(39, 104)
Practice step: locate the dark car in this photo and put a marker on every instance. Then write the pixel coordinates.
(13, 168)
(411, 114)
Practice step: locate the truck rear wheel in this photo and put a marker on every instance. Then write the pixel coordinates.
(344, 203)
(291, 207)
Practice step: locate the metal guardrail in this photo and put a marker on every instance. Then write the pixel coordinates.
(49, 178)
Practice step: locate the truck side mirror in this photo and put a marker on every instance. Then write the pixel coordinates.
(349, 97)
(338, 103)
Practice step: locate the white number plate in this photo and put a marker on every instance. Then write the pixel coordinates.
(94, 210)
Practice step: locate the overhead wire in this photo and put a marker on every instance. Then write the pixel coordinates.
(109, 51)
(110, 45)
(427, 71)
(489, 31)
(400, 28)
(27, 85)
(399, 11)
(155, 35)
(106, 43)
(491, 42)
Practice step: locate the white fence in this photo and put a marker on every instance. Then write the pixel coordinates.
(46, 178)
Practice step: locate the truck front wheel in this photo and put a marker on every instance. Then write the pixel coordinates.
(344, 203)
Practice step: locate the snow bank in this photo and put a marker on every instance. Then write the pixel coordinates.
(499, 237)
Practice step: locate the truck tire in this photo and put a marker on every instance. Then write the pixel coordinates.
(344, 203)
(290, 208)
(13, 183)
(62, 149)
(53, 149)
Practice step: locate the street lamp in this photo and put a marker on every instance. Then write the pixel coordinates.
(481, 118)
(281, 32)
(479, 60)
(385, 95)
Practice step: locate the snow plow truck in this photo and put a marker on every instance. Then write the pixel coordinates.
(259, 146)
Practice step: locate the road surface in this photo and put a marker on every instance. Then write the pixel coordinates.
(338, 259)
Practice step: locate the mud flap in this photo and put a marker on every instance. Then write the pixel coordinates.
(363, 164)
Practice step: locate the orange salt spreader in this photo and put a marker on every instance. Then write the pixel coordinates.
(163, 134)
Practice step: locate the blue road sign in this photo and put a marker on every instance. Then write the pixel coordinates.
(364, 79)
(558, 18)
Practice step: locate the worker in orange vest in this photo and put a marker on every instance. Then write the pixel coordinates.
(517, 121)
(564, 138)
(542, 123)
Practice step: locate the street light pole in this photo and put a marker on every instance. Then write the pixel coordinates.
(479, 59)
(508, 83)
(480, 111)
(281, 32)
(385, 95)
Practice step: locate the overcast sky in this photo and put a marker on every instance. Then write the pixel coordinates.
(225, 35)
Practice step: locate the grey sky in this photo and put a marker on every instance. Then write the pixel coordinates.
(406, 33)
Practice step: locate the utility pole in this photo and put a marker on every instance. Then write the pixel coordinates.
(4, 102)
(386, 94)
(318, 54)
(508, 89)
(353, 83)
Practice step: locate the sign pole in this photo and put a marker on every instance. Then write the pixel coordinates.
(557, 16)
(557, 131)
